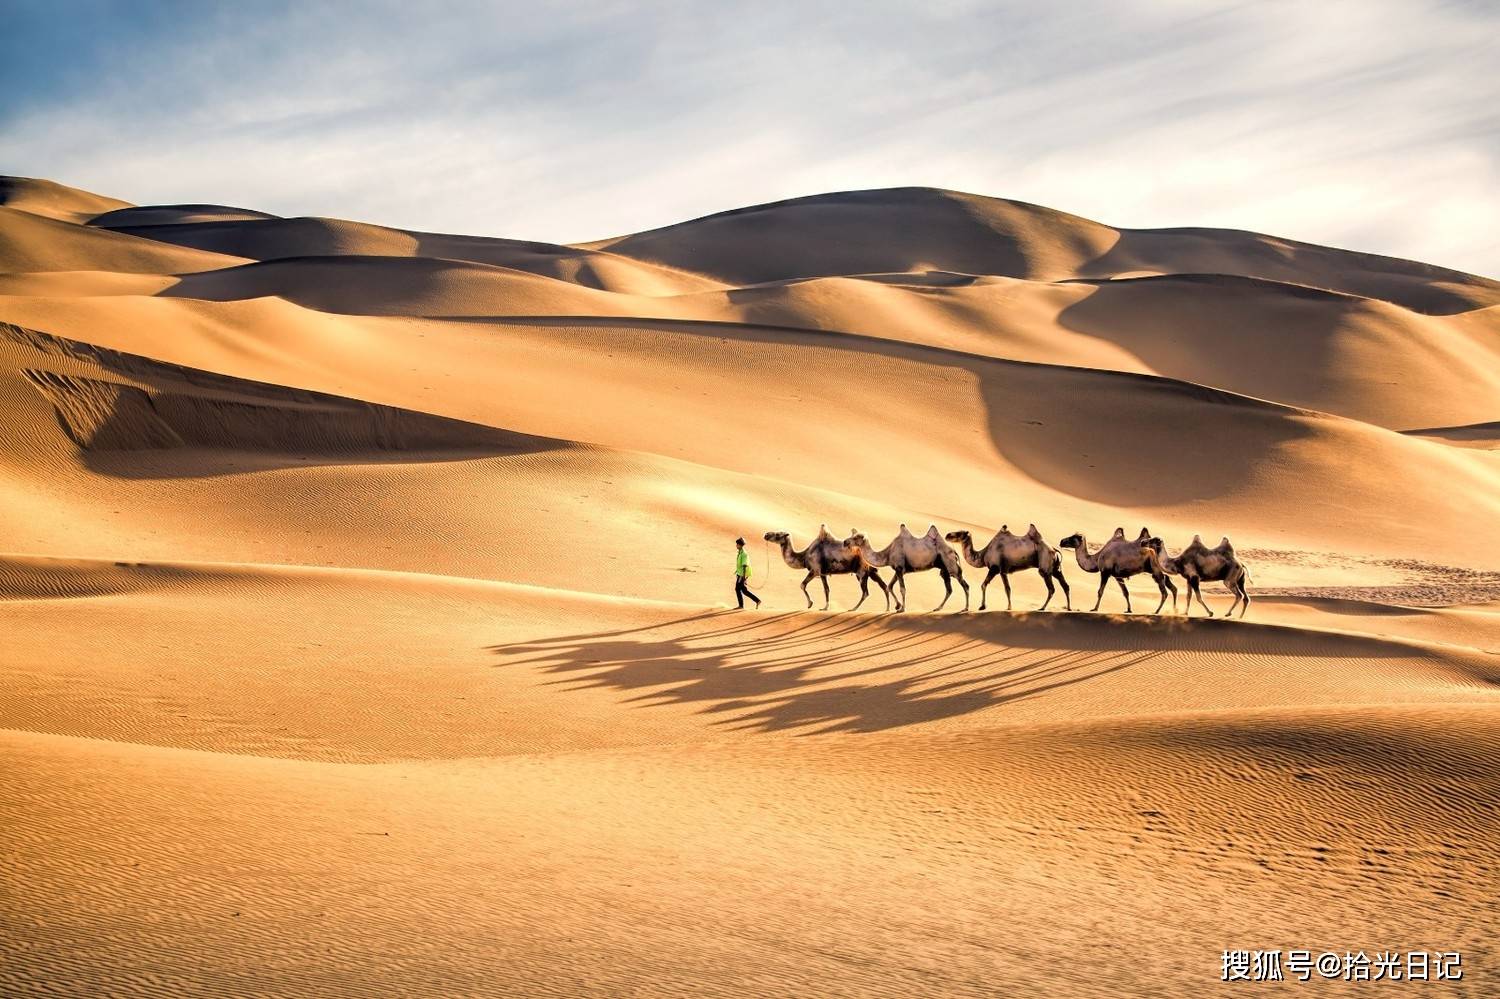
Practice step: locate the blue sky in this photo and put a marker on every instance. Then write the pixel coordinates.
(1372, 125)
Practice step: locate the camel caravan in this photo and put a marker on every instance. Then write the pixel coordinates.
(1118, 558)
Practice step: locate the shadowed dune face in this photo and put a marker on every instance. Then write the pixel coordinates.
(269, 239)
(1422, 288)
(145, 405)
(365, 598)
(1364, 359)
(154, 215)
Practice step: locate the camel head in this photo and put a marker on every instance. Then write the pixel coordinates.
(959, 536)
(1155, 544)
(778, 536)
(1071, 541)
(856, 539)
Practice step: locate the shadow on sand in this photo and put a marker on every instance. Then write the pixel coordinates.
(813, 673)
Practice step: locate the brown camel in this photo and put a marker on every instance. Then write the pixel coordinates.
(827, 556)
(1120, 559)
(1007, 553)
(909, 553)
(1198, 563)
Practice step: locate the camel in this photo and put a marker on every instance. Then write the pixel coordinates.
(1198, 563)
(1120, 559)
(909, 553)
(1006, 553)
(825, 557)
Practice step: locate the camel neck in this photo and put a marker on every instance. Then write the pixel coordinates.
(792, 557)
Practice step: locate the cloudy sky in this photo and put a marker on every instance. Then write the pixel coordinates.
(1373, 125)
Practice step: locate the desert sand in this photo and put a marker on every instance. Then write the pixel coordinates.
(367, 602)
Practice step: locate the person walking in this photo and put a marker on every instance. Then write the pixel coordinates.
(742, 574)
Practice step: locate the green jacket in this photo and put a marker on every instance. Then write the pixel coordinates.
(742, 564)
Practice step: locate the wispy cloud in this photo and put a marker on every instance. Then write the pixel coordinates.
(1373, 125)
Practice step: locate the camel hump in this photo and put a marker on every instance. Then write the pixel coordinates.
(1119, 534)
(1225, 546)
(1197, 540)
(934, 533)
(823, 534)
(1032, 532)
(904, 531)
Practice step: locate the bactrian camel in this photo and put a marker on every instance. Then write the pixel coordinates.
(827, 556)
(909, 553)
(1007, 553)
(1120, 559)
(1199, 563)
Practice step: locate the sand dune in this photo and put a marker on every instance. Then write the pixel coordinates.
(52, 200)
(150, 215)
(276, 239)
(913, 229)
(366, 595)
(37, 243)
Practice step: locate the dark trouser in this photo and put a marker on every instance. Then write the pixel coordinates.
(741, 591)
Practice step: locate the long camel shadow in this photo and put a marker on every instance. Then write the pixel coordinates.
(814, 674)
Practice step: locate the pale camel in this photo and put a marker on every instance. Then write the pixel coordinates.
(1007, 553)
(909, 553)
(1198, 563)
(827, 556)
(1120, 559)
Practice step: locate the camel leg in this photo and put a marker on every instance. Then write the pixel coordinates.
(1198, 589)
(1067, 593)
(864, 591)
(827, 597)
(1051, 590)
(1103, 582)
(1005, 579)
(965, 586)
(881, 583)
(805, 581)
(1163, 584)
(984, 587)
(947, 588)
(1126, 590)
(1240, 593)
(901, 600)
